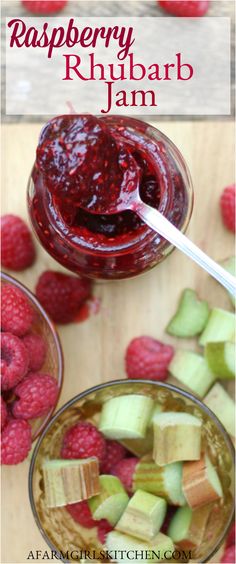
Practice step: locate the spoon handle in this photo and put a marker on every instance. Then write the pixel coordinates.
(161, 225)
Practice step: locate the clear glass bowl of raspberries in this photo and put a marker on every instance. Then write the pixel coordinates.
(31, 369)
(133, 465)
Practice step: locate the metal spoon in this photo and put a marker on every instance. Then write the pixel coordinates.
(159, 223)
(129, 198)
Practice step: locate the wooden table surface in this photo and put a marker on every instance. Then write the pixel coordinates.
(94, 350)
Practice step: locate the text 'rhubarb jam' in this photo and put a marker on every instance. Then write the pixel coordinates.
(82, 163)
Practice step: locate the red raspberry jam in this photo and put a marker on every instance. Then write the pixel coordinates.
(81, 165)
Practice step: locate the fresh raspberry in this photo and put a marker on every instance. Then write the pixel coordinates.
(81, 514)
(61, 295)
(229, 555)
(14, 360)
(114, 453)
(44, 7)
(185, 8)
(124, 470)
(103, 529)
(37, 348)
(227, 206)
(148, 358)
(37, 394)
(17, 248)
(3, 413)
(16, 442)
(82, 441)
(231, 536)
(16, 311)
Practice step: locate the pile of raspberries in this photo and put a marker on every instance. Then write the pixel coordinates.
(27, 391)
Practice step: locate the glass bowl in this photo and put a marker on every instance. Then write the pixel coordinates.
(58, 528)
(53, 363)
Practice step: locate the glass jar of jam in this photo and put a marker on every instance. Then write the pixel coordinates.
(85, 151)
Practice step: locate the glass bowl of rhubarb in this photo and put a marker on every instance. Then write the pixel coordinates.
(136, 466)
(39, 337)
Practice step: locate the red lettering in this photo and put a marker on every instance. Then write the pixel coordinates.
(56, 41)
(139, 66)
(93, 66)
(180, 66)
(15, 36)
(73, 67)
(70, 41)
(31, 37)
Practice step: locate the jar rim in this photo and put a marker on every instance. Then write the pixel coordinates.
(141, 237)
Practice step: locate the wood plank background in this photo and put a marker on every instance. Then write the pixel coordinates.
(94, 350)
